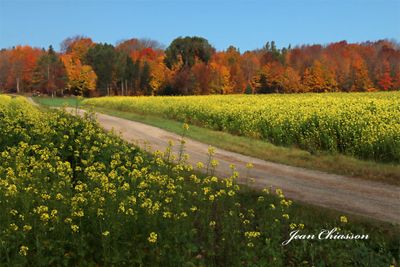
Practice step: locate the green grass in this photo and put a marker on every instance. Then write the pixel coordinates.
(337, 164)
(58, 102)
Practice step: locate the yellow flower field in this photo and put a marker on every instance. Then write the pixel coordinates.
(364, 125)
(73, 195)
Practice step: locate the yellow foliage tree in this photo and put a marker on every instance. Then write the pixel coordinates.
(159, 73)
(81, 78)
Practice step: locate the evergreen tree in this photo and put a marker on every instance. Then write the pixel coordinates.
(145, 77)
(136, 76)
(188, 49)
(49, 74)
(102, 59)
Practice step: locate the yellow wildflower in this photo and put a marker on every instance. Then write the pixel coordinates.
(23, 250)
(27, 228)
(75, 228)
(13, 212)
(14, 227)
(45, 217)
(252, 234)
(200, 165)
(249, 165)
(152, 237)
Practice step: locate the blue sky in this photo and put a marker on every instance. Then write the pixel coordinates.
(246, 24)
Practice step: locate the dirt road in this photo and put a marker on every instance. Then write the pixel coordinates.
(361, 197)
(32, 101)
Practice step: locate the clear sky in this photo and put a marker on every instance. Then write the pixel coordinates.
(246, 24)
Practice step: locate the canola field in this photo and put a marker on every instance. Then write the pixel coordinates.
(363, 125)
(73, 195)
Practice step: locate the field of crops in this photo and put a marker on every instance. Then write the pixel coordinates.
(364, 125)
(73, 195)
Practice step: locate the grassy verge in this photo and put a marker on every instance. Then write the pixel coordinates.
(58, 102)
(337, 164)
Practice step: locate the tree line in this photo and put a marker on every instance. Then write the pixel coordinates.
(191, 65)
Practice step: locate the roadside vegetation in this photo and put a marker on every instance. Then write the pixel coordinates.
(366, 126)
(326, 132)
(318, 160)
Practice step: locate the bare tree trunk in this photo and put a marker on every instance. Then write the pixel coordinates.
(48, 79)
(17, 85)
(122, 87)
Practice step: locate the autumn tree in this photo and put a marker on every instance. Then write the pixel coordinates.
(385, 80)
(249, 65)
(221, 80)
(396, 79)
(360, 80)
(233, 60)
(190, 65)
(5, 66)
(202, 74)
(144, 68)
(81, 78)
(76, 46)
(318, 78)
(291, 81)
(270, 53)
(134, 45)
(276, 78)
(159, 74)
(21, 63)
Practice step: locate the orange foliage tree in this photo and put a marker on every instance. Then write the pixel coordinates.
(142, 66)
(81, 78)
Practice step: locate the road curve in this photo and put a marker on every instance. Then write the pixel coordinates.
(366, 198)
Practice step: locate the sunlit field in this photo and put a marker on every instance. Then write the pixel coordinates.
(363, 125)
(74, 195)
